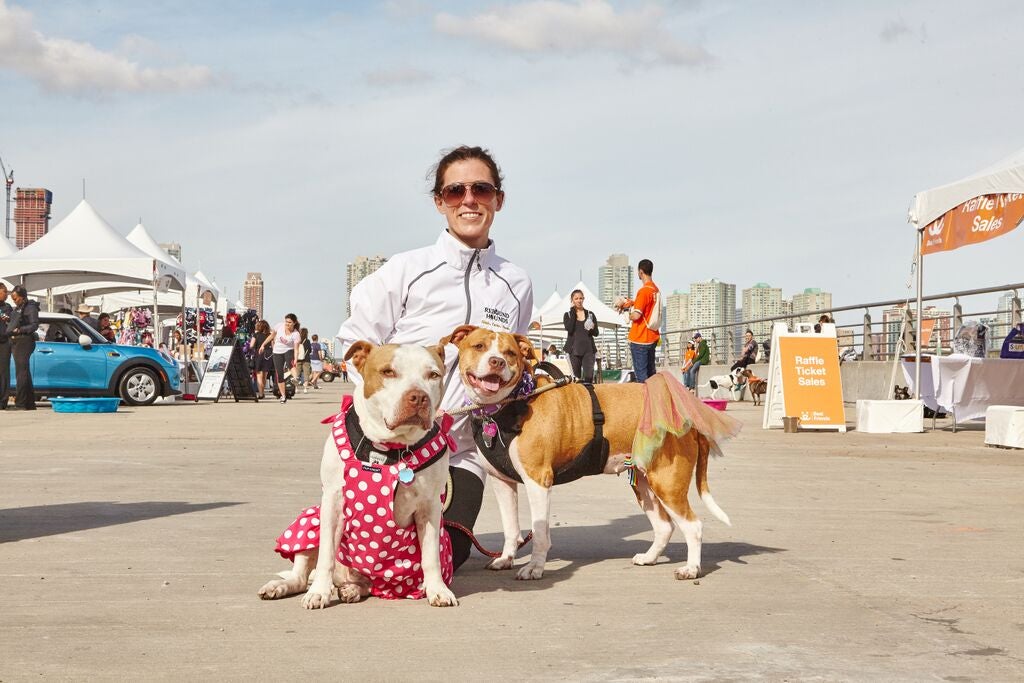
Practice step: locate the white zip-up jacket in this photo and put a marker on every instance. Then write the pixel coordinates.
(420, 296)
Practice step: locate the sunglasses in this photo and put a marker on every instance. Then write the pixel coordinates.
(453, 194)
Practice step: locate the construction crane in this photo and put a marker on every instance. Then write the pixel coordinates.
(9, 179)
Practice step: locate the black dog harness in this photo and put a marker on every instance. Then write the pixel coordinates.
(509, 421)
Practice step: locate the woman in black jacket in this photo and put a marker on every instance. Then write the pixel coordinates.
(581, 328)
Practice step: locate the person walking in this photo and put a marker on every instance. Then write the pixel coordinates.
(285, 339)
(316, 360)
(22, 331)
(344, 370)
(643, 341)
(5, 347)
(263, 356)
(702, 357)
(580, 328)
(303, 368)
(420, 296)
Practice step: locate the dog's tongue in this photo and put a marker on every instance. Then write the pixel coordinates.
(490, 383)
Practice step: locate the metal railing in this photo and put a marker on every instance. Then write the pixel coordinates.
(872, 338)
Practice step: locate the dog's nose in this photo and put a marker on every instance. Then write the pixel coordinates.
(497, 364)
(417, 399)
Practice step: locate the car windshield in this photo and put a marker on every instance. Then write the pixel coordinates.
(66, 330)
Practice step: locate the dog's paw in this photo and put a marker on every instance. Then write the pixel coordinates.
(272, 590)
(500, 563)
(441, 597)
(530, 572)
(349, 593)
(644, 560)
(688, 572)
(317, 598)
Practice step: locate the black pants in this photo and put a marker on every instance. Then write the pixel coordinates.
(21, 349)
(583, 366)
(467, 494)
(5, 372)
(741, 363)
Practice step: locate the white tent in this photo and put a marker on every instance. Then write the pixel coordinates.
(1007, 176)
(83, 251)
(6, 249)
(550, 314)
(932, 212)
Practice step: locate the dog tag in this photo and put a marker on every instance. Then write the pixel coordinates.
(490, 430)
(405, 475)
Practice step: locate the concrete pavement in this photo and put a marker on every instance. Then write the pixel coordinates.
(132, 546)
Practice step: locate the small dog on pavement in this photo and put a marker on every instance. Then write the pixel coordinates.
(758, 387)
(384, 469)
(575, 430)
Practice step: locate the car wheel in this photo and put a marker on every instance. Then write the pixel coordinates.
(139, 387)
(327, 377)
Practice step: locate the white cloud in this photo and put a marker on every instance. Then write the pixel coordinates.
(398, 77)
(893, 29)
(555, 26)
(70, 66)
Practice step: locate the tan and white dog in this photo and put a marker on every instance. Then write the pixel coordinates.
(557, 424)
(397, 403)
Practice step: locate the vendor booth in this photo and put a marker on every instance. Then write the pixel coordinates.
(975, 209)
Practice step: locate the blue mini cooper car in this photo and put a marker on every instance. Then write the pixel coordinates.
(72, 359)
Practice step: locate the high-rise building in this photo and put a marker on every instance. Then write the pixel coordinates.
(936, 325)
(172, 248)
(356, 271)
(252, 292)
(677, 319)
(807, 305)
(614, 279)
(31, 214)
(713, 303)
(762, 301)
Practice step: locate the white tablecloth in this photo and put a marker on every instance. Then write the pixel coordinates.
(967, 386)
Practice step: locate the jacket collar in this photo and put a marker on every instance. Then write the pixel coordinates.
(458, 255)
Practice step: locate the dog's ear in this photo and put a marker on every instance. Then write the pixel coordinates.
(457, 335)
(438, 352)
(526, 349)
(358, 353)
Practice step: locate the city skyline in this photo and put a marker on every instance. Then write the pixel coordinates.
(678, 131)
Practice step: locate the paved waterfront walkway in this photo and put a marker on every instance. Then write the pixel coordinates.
(132, 546)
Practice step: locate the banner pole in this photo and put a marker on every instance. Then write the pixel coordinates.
(917, 322)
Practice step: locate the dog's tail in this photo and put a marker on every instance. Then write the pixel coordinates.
(704, 448)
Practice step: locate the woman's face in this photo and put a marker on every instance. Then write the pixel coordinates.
(470, 220)
(749, 337)
(288, 324)
(577, 299)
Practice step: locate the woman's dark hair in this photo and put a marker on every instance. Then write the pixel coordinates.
(293, 318)
(463, 153)
(101, 316)
(303, 333)
(750, 332)
(263, 327)
(574, 293)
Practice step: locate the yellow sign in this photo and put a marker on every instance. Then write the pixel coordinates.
(812, 387)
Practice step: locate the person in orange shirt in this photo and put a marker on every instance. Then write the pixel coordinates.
(642, 340)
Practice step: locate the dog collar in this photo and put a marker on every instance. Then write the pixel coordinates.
(416, 456)
(527, 385)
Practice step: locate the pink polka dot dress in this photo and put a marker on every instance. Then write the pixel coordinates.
(372, 543)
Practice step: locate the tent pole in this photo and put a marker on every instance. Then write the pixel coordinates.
(156, 318)
(917, 322)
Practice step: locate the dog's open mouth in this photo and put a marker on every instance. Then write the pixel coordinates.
(488, 385)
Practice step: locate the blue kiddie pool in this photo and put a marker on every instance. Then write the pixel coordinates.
(85, 405)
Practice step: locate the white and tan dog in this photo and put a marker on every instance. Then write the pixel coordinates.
(558, 424)
(396, 404)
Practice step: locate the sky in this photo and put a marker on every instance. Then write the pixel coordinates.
(751, 142)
